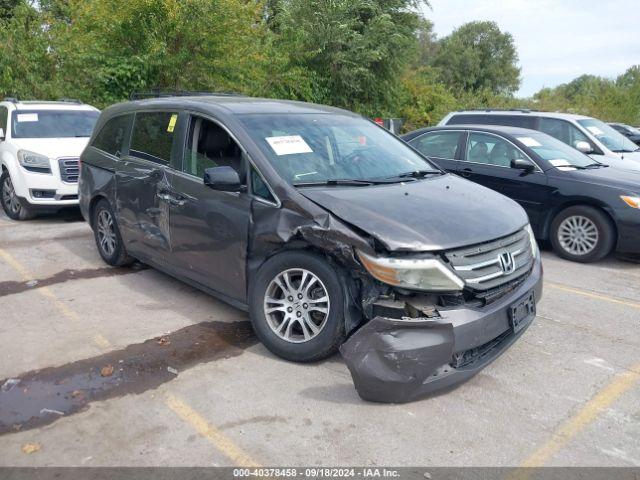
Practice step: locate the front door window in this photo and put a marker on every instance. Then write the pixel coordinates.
(491, 150)
(209, 145)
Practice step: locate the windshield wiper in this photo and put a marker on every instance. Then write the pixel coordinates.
(419, 174)
(596, 165)
(334, 182)
(625, 150)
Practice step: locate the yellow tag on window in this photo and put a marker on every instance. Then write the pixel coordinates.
(172, 123)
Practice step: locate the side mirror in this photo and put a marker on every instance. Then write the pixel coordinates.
(523, 164)
(225, 179)
(2, 136)
(584, 147)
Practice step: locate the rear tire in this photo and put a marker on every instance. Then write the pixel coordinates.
(107, 235)
(296, 303)
(12, 205)
(582, 234)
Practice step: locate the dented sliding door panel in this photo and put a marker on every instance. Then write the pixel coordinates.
(143, 208)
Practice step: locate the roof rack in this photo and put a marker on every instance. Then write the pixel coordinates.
(11, 99)
(177, 93)
(70, 100)
(522, 110)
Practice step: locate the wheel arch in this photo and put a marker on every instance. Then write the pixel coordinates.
(92, 205)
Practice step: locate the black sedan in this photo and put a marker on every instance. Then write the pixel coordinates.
(628, 131)
(584, 208)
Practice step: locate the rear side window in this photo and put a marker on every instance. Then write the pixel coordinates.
(522, 121)
(562, 130)
(111, 137)
(152, 136)
(438, 144)
(3, 119)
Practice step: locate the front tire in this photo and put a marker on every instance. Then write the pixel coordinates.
(107, 235)
(296, 305)
(11, 203)
(582, 234)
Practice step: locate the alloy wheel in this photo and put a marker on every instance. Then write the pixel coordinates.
(106, 233)
(9, 196)
(296, 305)
(578, 235)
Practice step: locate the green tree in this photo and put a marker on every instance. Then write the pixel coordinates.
(7, 7)
(478, 56)
(26, 66)
(109, 48)
(354, 51)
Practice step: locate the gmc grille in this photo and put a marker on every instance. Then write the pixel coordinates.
(69, 169)
(492, 264)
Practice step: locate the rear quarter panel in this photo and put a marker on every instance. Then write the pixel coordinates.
(97, 179)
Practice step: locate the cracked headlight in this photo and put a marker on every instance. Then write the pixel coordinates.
(427, 274)
(535, 250)
(34, 162)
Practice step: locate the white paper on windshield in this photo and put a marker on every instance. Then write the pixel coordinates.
(529, 142)
(562, 164)
(27, 117)
(595, 131)
(289, 145)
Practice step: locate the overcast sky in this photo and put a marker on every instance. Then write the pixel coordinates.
(557, 40)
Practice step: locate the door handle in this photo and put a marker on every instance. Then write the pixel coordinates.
(466, 172)
(171, 199)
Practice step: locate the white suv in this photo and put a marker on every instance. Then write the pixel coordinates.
(40, 144)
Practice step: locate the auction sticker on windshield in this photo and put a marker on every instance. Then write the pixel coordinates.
(562, 164)
(288, 145)
(27, 117)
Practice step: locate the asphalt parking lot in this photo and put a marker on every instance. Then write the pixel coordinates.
(91, 346)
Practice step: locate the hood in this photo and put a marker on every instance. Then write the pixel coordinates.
(609, 177)
(630, 162)
(437, 213)
(53, 147)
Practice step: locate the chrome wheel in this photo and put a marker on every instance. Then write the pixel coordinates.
(296, 305)
(9, 196)
(106, 233)
(578, 235)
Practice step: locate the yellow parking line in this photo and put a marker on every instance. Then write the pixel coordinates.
(46, 292)
(219, 440)
(597, 296)
(587, 414)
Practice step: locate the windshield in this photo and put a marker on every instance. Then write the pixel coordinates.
(52, 123)
(554, 151)
(309, 148)
(610, 138)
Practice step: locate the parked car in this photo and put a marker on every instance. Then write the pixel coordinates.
(584, 208)
(328, 229)
(589, 135)
(632, 133)
(40, 143)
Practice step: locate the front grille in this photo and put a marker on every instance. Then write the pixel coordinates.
(69, 169)
(492, 264)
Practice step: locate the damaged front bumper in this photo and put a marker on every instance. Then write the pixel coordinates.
(400, 360)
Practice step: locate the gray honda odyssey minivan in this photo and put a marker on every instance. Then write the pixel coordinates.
(330, 231)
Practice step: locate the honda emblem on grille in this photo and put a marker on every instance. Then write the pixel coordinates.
(507, 262)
